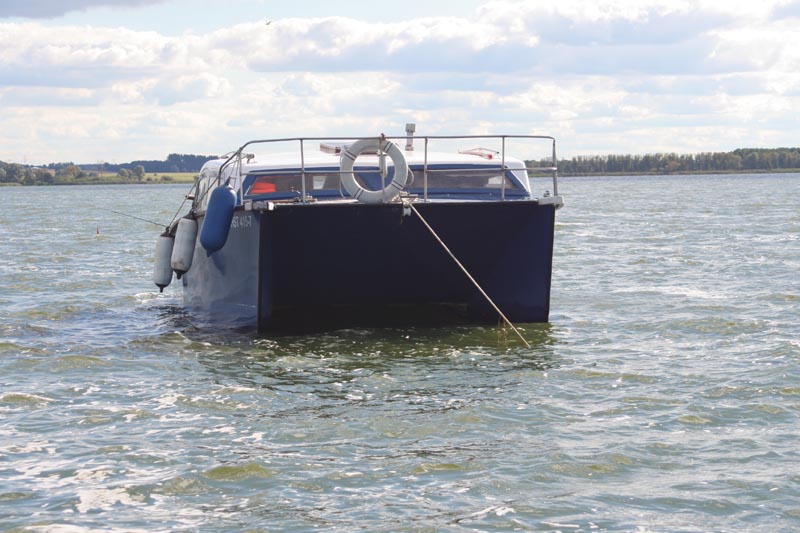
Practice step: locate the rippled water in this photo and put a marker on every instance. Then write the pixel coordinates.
(663, 396)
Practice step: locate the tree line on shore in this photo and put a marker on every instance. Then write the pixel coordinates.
(739, 160)
(69, 173)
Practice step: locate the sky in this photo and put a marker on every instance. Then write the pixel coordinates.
(120, 80)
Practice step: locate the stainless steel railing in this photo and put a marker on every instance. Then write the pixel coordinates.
(236, 158)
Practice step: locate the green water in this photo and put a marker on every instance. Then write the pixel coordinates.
(663, 396)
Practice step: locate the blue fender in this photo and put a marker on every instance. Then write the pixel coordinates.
(217, 223)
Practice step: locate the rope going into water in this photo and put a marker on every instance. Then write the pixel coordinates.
(466, 272)
(159, 224)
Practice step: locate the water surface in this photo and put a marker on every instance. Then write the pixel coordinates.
(663, 396)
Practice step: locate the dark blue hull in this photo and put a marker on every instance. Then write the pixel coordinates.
(305, 267)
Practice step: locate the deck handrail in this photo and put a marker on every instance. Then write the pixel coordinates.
(236, 156)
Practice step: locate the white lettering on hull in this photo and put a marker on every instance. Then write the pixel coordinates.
(241, 222)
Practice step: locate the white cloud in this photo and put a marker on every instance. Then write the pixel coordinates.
(188, 88)
(640, 75)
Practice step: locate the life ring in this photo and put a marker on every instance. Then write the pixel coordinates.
(387, 194)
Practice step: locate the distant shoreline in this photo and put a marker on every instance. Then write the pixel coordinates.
(114, 179)
(178, 168)
(679, 173)
(183, 179)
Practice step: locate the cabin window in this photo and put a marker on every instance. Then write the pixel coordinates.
(461, 178)
(371, 180)
(290, 183)
(204, 185)
(474, 180)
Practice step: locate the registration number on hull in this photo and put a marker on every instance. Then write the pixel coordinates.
(242, 222)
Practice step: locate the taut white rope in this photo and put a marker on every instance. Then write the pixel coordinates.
(466, 272)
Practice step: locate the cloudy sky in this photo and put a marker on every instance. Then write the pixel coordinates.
(116, 80)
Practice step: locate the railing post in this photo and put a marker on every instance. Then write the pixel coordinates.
(503, 169)
(425, 173)
(302, 173)
(555, 170)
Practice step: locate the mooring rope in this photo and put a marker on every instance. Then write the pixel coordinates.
(131, 216)
(466, 272)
